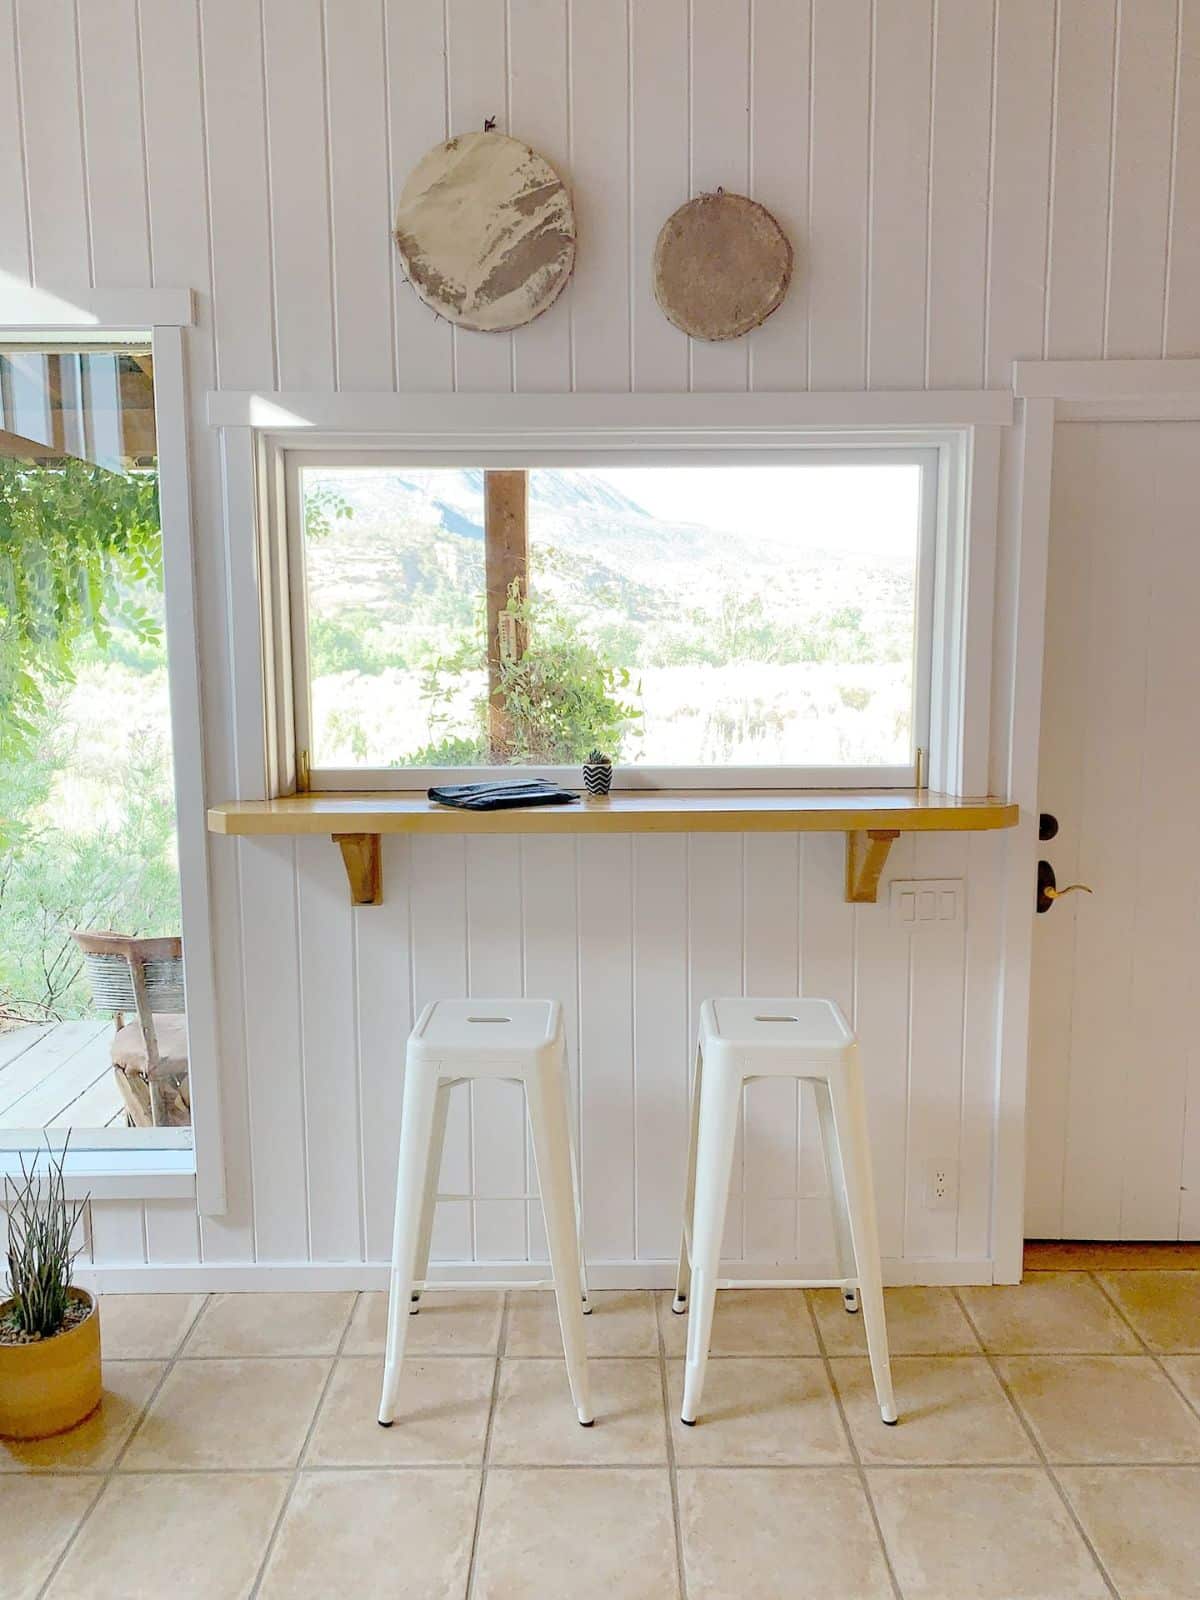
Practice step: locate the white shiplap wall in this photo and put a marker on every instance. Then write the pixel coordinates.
(965, 183)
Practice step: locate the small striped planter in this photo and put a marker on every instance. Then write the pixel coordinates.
(597, 776)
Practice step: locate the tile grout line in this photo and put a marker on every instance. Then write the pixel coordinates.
(1156, 1356)
(309, 1431)
(864, 1483)
(1047, 1468)
(658, 1301)
(109, 1472)
(485, 1462)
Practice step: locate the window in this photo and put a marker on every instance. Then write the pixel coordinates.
(759, 623)
(89, 863)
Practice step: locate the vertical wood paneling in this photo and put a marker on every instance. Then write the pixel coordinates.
(827, 940)
(1141, 177)
(899, 222)
(551, 959)
(417, 120)
(53, 144)
(439, 963)
(494, 961)
(477, 62)
(275, 1051)
(841, 114)
(1182, 331)
(598, 298)
(606, 1044)
(658, 182)
(780, 82)
(984, 959)
(715, 948)
(539, 91)
(329, 1045)
(771, 896)
(383, 969)
(237, 182)
(14, 236)
(172, 1233)
(1082, 157)
(958, 207)
(117, 1229)
(116, 158)
(358, 179)
(664, 1042)
(935, 1032)
(719, 105)
(882, 960)
(1020, 185)
(298, 164)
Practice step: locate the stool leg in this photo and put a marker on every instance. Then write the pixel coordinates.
(850, 1118)
(837, 1192)
(433, 1173)
(577, 1192)
(416, 1128)
(720, 1095)
(552, 1154)
(683, 1276)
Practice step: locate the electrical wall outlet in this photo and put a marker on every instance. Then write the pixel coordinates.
(941, 1185)
(927, 902)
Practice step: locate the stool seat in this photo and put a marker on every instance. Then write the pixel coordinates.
(744, 1038)
(480, 1032)
(455, 1040)
(788, 1031)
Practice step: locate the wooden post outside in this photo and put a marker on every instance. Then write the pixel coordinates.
(506, 560)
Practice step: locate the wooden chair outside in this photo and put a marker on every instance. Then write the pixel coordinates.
(149, 1056)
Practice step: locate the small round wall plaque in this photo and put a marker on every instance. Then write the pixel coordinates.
(722, 264)
(486, 232)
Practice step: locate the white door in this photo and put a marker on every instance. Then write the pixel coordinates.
(1114, 1103)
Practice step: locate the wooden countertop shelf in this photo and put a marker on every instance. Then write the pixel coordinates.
(871, 819)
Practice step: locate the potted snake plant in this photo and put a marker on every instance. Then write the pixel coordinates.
(49, 1329)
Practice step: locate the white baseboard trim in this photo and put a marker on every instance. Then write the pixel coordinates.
(223, 1277)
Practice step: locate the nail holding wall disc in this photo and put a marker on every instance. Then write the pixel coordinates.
(486, 232)
(722, 264)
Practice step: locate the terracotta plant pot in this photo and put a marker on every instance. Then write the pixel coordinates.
(49, 1386)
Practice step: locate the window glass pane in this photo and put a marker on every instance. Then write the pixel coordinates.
(675, 616)
(395, 573)
(765, 615)
(87, 810)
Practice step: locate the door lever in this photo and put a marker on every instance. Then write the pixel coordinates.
(1048, 891)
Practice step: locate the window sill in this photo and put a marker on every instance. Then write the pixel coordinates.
(118, 1174)
(870, 819)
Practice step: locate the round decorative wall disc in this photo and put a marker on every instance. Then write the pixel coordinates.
(486, 232)
(721, 266)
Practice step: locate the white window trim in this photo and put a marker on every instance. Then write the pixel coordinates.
(131, 1173)
(257, 431)
(930, 458)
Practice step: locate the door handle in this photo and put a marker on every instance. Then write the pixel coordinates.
(1048, 891)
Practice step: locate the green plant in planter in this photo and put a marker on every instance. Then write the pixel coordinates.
(41, 1256)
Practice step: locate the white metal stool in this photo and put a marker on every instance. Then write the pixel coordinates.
(453, 1040)
(745, 1039)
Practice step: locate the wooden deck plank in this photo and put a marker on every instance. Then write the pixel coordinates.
(16, 1041)
(24, 1085)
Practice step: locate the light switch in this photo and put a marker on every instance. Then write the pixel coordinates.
(918, 903)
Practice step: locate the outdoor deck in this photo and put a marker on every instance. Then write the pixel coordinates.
(58, 1075)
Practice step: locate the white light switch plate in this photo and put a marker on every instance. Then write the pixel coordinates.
(922, 902)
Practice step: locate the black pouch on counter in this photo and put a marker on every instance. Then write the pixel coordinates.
(502, 796)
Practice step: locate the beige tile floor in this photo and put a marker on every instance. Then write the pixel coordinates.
(1048, 1449)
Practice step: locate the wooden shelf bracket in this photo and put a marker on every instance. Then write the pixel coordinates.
(866, 855)
(363, 860)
